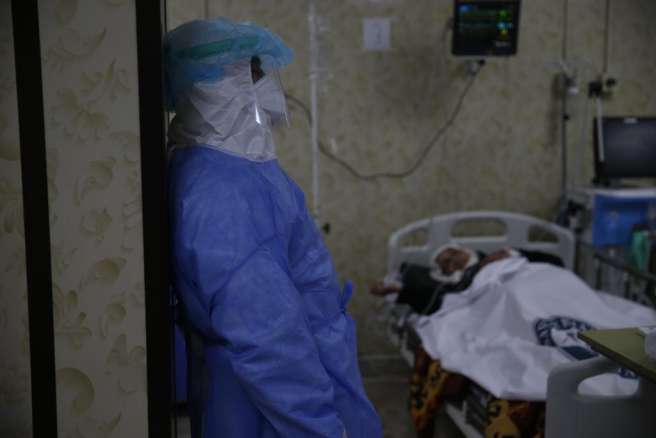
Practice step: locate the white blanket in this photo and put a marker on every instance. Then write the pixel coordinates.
(517, 321)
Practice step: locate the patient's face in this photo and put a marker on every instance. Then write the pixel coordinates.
(451, 260)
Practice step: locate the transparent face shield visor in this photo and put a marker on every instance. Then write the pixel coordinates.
(269, 93)
(270, 96)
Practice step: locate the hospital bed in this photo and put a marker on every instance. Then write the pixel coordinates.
(416, 242)
(501, 230)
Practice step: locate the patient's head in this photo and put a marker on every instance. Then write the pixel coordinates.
(450, 262)
(452, 259)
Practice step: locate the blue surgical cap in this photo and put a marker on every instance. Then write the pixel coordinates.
(199, 50)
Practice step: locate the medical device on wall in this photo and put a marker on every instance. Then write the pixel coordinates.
(484, 28)
(624, 147)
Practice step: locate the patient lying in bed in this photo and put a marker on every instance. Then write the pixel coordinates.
(453, 270)
(519, 320)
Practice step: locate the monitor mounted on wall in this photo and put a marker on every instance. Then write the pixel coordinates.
(484, 28)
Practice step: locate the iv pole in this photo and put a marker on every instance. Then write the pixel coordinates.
(313, 72)
(566, 83)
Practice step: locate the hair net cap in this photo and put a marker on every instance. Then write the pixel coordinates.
(199, 50)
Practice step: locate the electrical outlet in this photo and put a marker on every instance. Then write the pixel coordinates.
(376, 34)
(604, 87)
(609, 86)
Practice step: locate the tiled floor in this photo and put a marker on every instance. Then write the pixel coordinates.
(390, 397)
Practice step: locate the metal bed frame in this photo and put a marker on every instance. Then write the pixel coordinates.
(637, 286)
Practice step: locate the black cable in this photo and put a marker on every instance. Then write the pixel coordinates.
(301, 105)
(435, 295)
(420, 159)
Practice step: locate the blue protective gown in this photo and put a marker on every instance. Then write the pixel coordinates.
(258, 286)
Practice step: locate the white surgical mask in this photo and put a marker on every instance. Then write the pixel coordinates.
(271, 98)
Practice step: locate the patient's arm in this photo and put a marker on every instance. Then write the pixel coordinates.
(382, 288)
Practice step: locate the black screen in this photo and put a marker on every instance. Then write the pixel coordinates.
(485, 28)
(629, 148)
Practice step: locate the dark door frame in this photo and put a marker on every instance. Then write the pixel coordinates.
(159, 321)
(29, 90)
(29, 87)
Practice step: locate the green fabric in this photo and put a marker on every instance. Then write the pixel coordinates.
(640, 246)
(219, 47)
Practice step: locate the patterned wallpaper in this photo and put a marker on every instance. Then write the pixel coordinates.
(378, 109)
(15, 397)
(92, 134)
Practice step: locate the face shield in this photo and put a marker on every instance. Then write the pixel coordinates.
(270, 98)
(201, 50)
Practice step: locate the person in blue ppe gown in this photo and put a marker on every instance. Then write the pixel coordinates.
(272, 347)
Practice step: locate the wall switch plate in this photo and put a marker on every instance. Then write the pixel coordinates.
(376, 33)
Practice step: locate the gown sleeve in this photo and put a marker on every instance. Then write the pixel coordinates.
(272, 351)
(314, 275)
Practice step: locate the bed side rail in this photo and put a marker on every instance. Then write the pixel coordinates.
(438, 230)
(397, 254)
(636, 284)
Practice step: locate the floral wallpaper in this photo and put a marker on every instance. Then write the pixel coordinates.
(378, 109)
(92, 135)
(15, 390)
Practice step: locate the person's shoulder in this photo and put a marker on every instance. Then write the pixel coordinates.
(204, 157)
(296, 191)
(201, 168)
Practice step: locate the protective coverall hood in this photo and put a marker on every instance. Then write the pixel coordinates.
(225, 115)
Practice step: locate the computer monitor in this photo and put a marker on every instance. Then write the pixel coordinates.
(483, 28)
(626, 149)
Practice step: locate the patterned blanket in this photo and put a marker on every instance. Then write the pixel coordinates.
(431, 386)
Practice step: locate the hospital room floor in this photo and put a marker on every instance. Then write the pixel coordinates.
(389, 394)
(390, 397)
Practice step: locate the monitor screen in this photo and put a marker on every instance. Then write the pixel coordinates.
(628, 149)
(485, 28)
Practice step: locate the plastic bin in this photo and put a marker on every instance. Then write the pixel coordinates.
(613, 217)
